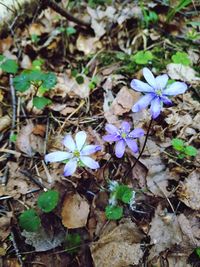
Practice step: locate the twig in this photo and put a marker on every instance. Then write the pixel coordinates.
(18, 254)
(141, 152)
(64, 13)
(34, 179)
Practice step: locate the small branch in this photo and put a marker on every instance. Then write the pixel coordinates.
(33, 179)
(64, 13)
(141, 152)
(18, 254)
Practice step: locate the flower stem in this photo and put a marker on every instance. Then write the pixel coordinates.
(141, 152)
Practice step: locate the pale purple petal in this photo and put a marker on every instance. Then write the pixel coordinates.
(80, 139)
(137, 133)
(70, 167)
(143, 102)
(125, 126)
(89, 162)
(155, 107)
(176, 88)
(132, 145)
(166, 100)
(90, 149)
(111, 137)
(120, 148)
(69, 142)
(111, 129)
(149, 77)
(57, 156)
(140, 86)
(161, 81)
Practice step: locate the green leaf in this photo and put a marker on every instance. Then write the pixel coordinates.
(21, 82)
(197, 250)
(181, 58)
(70, 31)
(29, 220)
(36, 75)
(73, 242)
(47, 201)
(190, 151)
(114, 212)
(9, 66)
(37, 63)
(178, 144)
(49, 80)
(2, 58)
(40, 102)
(13, 138)
(35, 38)
(124, 193)
(79, 79)
(143, 57)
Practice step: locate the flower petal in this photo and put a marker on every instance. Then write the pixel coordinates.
(69, 142)
(80, 139)
(90, 149)
(120, 148)
(155, 107)
(166, 100)
(57, 156)
(132, 145)
(89, 162)
(125, 126)
(176, 88)
(140, 86)
(137, 133)
(143, 102)
(111, 129)
(161, 81)
(149, 77)
(111, 137)
(70, 167)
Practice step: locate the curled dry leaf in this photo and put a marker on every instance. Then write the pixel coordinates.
(88, 44)
(121, 104)
(28, 142)
(120, 247)
(164, 232)
(189, 191)
(75, 211)
(5, 225)
(5, 122)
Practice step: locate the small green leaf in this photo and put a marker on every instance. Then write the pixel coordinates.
(36, 75)
(178, 144)
(70, 31)
(2, 58)
(37, 63)
(181, 58)
(49, 80)
(74, 72)
(114, 212)
(190, 151)
(79, 79)
(124, 193)
(40, 102)
(143, 57)
(21, 82)
(13, 138)
(9, 66)
(47, 201)
(197, 250)
(29, 220)
(35, 38)
(73, 242)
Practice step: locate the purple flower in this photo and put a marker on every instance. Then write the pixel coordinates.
(123, 137)
(157, 92)
(77, 154)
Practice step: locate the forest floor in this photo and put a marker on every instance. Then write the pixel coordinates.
(60, 77)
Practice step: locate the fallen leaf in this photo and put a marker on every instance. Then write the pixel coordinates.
(5, 224)
(189, 191)
(120, 247)
(75, 211)
(5, 122)
(88, 44)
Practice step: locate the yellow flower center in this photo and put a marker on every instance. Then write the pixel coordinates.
(76, 153)
(123, 135)
(159, 92)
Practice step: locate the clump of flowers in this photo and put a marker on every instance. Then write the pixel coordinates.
(156, 92)
(77, 154)
(123, 137)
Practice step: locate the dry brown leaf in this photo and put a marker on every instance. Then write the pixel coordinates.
(29, 143)
(189, 191)
(183, 73)
(75, 211)
(88, 44)
(120, 247)
(37, 29)
(122, 103)
(5, 225)
(164, 232)
(5, 122)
